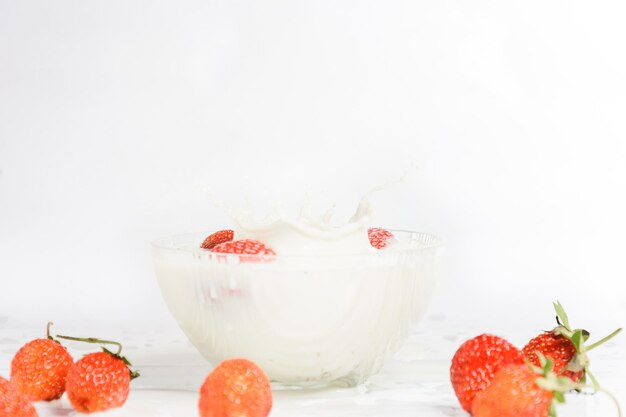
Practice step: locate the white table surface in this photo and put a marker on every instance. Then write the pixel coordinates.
(414, 383)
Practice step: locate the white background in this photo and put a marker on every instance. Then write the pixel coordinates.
(120, 119)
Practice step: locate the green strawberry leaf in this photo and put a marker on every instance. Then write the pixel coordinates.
(543, 361)
(553, 409)
(561, 314)
(549, 366)
(133, 374)
(603, 340)
(577, 340)
(586, 335)
(559, 397)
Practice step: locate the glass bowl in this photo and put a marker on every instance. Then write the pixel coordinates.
(308, 321)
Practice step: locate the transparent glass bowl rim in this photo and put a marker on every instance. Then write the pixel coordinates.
(432, 242)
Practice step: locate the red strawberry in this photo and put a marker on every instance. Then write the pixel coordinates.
(513, 392)
(524, 391)
(236, 387)
(565, 346)
(97, 382)
(476, 362)
(557, 347)
(39, 370)
(379, 238)
(216, 238)
(244, 246)
(12, 403)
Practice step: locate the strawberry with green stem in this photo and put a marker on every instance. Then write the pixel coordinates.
(99, 381)
(525, 390)
(521, 390)
(561, 385)
(566, 347)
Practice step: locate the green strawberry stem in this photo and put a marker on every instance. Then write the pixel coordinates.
(612, 397)
(598, 388)
(604, 339)
(118, 354)
(94, 340)
(594, 381)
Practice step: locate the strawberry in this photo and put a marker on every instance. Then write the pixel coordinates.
(565, 346)
(216, 238)
(524, 390)
(244, 246)
(379, 238)
(97, 382)
(559, 348)
(476, 362)
(39, 370)
(12, 403)
(236, 387)
(513, 392)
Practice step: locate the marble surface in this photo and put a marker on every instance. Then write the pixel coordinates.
(414, 383)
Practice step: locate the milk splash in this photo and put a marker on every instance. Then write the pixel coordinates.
(307, 233)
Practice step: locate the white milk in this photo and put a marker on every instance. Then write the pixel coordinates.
(328, 308)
